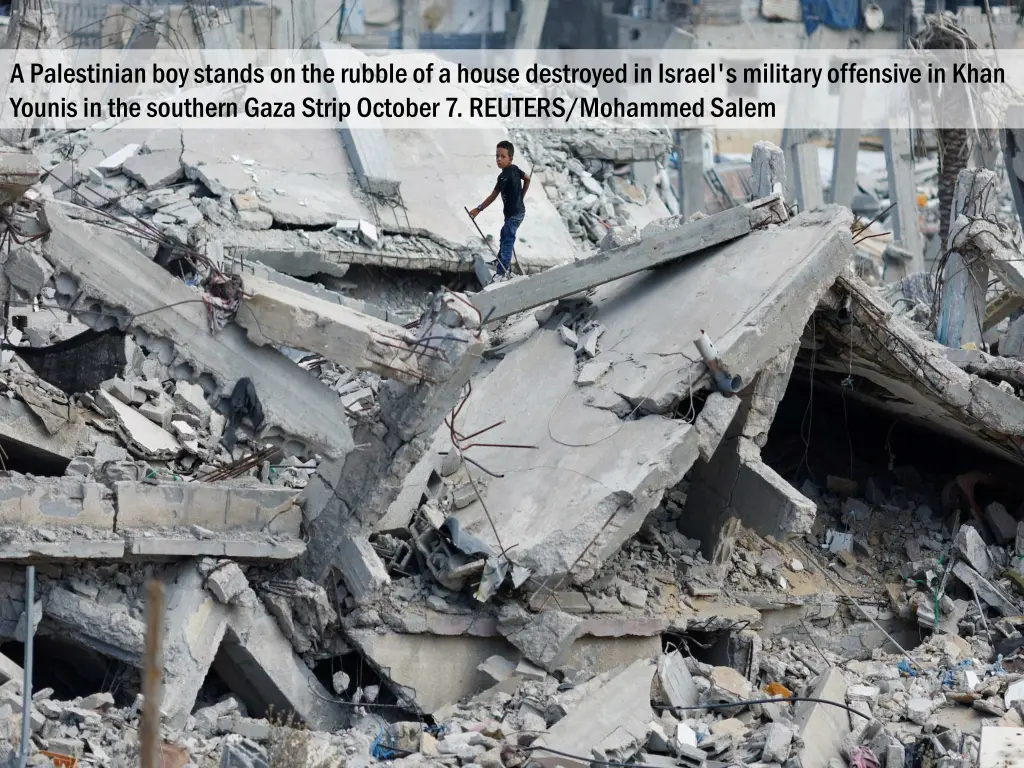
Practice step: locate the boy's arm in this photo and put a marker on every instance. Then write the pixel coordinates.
(526, 183)
(490, 199)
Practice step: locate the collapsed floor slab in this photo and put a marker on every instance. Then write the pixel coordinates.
(277, 315)
(594, 477)
(659, 248)
(860, 336)
(121, 286)
(253, 655)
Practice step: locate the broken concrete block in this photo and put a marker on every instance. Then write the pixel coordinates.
(822, 727)
(1001, 523)
(919, 709)
(105, 452)
(340, 682)
(191, 399)
(712, 422)
(528, 671)
(227, 582)
(112, 164)
(970, 545)
(9, 670)
(677, 686)
(634, 596)
(547, 639)
(620, 706)
(728, 685)
(361, 568)
(27, 270)
(144, 439)
(155, 169)
(778, 741)
(282, 316)
(568, 335)
(497, 668)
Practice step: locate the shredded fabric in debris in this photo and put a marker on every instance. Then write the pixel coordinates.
(79, 364)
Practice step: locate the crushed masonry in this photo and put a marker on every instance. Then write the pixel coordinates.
(698, 491)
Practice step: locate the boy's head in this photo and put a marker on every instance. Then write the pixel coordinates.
(504, 154)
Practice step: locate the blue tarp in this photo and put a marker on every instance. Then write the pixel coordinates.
(838, 14)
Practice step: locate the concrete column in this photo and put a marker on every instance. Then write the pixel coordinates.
(411, 20)
(767, 169)
(735, 482)
(899, 163)
(804, 176)
(195, 625)
(690, 146)
(531, 24)
(844, 156)
(965, 285)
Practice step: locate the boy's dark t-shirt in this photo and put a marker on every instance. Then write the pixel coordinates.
(510, 184)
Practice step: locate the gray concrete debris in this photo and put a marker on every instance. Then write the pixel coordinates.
(676, 684)
(27, 270)
(821, 727)
(547, 639)
(972, 548)
(95, 262)
(618, 711)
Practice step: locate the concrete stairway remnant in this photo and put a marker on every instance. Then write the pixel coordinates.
(126, 289)
(657, 249)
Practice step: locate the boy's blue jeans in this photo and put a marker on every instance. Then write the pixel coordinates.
(507, 242)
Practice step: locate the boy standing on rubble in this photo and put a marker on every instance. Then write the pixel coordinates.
(512, 185)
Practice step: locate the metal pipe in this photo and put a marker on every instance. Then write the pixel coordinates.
(726, 383)
(26, 693)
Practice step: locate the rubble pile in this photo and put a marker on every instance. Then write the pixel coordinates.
(393, 519)
(601, 183)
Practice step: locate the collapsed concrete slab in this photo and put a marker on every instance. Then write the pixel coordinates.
(277, 315)
(410, 663)
(247, 647)
(618, 710)
(20, 425)
(168, 318)
(107, 629)
(652, 251)
(312, 183)
(601, 473)
(911, 376)
(821, 726)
